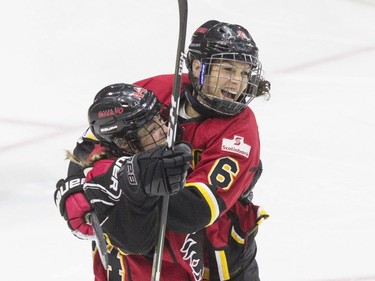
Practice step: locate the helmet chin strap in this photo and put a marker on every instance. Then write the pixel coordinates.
(197, 106)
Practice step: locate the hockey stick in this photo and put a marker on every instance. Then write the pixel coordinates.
(92, 219)
(171, 136)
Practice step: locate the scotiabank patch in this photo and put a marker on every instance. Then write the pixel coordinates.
(236, 145)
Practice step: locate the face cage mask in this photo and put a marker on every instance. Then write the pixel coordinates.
(142, 139)
(228, 82)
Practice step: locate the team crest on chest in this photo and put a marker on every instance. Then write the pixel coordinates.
(236, 145)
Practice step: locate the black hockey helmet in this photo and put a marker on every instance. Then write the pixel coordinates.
(214, 37)
(118, 112)
(215, 42)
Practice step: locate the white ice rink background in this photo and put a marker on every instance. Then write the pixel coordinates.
(317, 130)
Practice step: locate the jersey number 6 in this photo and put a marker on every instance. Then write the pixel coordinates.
(223, 172)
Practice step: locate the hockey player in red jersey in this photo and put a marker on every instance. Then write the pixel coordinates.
(224, 76)
(125, 180)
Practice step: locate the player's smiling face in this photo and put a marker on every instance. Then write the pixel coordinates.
(226, 79)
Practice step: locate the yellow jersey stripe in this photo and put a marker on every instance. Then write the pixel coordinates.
(209, 197)
(236, 236)
(222, 265)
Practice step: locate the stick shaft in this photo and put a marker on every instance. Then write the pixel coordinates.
(171, 136)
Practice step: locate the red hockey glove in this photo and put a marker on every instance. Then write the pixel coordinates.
(73, 206)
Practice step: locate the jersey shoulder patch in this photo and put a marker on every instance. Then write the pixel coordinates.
(236, 145)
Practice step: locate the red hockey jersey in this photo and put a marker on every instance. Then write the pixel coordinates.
(226, 157)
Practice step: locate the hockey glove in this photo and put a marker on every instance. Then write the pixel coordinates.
(104, 192)
(159, 171)
(73, 206)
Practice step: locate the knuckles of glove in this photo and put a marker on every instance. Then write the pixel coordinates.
(77, 207)
(161, 171)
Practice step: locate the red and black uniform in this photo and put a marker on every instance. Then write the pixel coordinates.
(226, 158)
(209, 209)
(131, 232)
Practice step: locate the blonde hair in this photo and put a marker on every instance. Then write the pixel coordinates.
(84, 163)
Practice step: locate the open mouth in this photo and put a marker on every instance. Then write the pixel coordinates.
(229, 94)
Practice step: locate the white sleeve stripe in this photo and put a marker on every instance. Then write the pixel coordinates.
(113, 196)
(94, 201)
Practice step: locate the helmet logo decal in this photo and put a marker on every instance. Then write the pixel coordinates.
(108, 129)
(242, 35)
(110, 112)
(201, 30)
(139, 92)
(202, 73)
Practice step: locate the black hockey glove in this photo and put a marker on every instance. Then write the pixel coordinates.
(159, 171)
(104, 192)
